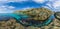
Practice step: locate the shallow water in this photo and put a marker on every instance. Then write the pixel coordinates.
(6, 16)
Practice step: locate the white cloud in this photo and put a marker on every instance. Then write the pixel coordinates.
(26, 8)
(56, 4)
(10, 7)
(12, 0)
(7, 1)
(39, 1)
(42, 1)
(6, 9)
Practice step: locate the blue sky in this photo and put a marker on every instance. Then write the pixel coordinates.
(9, 6)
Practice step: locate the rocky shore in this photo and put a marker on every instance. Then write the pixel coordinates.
(12, 24)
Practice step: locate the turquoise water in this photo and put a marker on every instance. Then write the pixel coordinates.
(39, 24)
(18, 18)
(6, 16)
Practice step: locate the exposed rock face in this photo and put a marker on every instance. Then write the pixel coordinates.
(36, 17)
(37, 13)
(12, 24)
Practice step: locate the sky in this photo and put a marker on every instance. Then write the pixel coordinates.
(9, 6)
